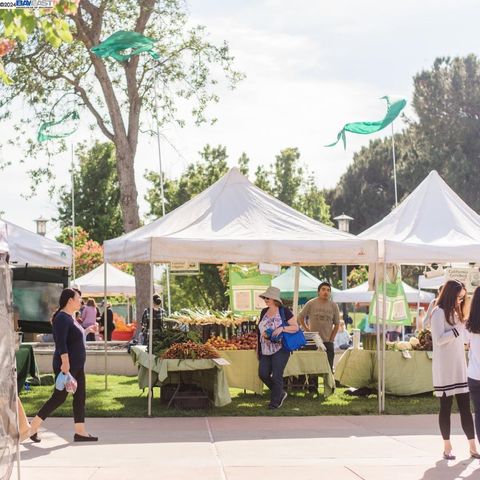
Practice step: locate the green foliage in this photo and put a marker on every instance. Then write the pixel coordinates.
(50, 25)
(357, 276)
(97, 193)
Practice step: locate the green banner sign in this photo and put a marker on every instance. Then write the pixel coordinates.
(398, 312)
(246, 283)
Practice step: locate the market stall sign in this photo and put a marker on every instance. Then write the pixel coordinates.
(397, 309)
(470, 277)
(184, 267)
(246, 284)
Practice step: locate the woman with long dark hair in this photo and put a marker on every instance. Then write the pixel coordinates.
(449, 364)
(69, 357)
(473, 371)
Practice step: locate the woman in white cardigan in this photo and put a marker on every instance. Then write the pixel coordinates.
(449, 364)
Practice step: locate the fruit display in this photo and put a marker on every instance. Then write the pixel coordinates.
(121, 326)
(206, 317)
(423, 341)
(247, 341)
(163, 339)
(190, 351)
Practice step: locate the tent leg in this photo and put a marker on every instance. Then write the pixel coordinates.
(379, 362)
(295, 289)
(150, 344)
(384, 332)
(105, 321)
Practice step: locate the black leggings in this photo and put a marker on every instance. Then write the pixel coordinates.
(463, 403)
(59, 396)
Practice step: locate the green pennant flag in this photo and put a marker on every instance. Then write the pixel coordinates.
(365, 128)
(64, 119)
(121, 41)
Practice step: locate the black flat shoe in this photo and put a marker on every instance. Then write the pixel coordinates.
(83, 438)
(475, 455)
(448, 456)
(34, 438)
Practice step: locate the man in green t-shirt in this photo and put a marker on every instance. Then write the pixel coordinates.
(323, 317)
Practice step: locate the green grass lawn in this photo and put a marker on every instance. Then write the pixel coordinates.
(124, 399)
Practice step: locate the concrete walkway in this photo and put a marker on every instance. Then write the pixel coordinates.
(234, 448)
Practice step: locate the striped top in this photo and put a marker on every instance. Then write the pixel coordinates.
(449, 365)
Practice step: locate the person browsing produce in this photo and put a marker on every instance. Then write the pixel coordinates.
(273, 356)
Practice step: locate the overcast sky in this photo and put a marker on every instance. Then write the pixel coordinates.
(310, 67)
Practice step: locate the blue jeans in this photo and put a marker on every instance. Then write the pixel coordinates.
(474, 387)
(270, 371)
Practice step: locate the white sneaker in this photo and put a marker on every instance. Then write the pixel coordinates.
(284, 396)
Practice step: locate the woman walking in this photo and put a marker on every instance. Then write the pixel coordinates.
(449, 364)
(69, 357)
(473, 371)
(273, 357)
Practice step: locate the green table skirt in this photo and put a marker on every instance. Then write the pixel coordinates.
(243, 369)
(26, 365)
(205, 373)
(403, 376)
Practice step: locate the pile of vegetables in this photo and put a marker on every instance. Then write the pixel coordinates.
(206, 317)
(247, 341)
(190, 351)
(423, 341)
(164, 339)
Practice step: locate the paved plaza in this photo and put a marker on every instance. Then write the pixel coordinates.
(234, 448)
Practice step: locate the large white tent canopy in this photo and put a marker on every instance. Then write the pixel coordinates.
(28, 248)
(118, 282)
(360, 294)
(432, 225)
(235, 221)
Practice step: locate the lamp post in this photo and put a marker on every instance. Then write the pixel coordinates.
(344, 226)
(41, 226)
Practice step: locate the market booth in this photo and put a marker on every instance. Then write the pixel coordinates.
(432, 225)
(235, 221)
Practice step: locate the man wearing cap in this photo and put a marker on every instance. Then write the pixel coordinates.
(323, 317)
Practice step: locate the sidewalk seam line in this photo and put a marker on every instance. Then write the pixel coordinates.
(355, 473)
(217, 455)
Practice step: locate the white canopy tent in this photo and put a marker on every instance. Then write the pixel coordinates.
(29, 248)
(119, 283)
(432, 225)
(235, 221)
(360, 294)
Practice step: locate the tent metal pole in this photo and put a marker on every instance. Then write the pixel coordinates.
(73, 216)
(105, 321)
(296, 288)
(379, 360)
(150, 344)
(384, 331)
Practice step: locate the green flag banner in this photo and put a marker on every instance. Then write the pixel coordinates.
(246, 283)
(121, 41)
(64, 119)
(365, 128)
(398, 312)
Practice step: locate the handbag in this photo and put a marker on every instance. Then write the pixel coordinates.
(291, 341)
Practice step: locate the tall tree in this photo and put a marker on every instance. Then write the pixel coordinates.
(97, 194)
(116, 93)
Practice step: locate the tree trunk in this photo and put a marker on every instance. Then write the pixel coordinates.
(131, 220)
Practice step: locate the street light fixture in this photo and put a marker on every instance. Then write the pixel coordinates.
(344, 226)
(41, 226)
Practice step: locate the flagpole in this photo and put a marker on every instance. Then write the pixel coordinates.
(73, 216)
(394, 167)
(162, 192)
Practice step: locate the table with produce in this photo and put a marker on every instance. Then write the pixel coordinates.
(408, 367)
(232, 338)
